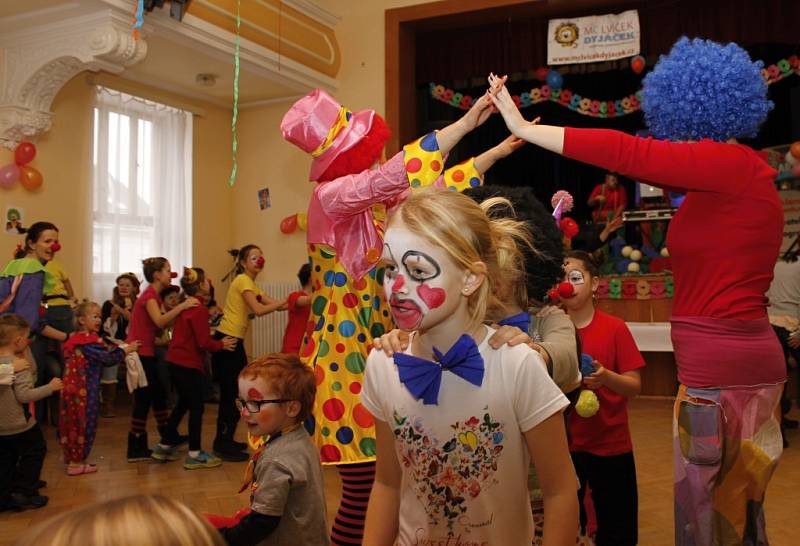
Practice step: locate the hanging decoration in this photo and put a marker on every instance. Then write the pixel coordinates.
(235, 146)
(588, 106)
(138, 20)
(564, 97)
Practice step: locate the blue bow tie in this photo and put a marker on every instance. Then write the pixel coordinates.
(520, 320)
(423, 377)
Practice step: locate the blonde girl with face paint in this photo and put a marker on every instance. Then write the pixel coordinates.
(457, 422)
(600, 445)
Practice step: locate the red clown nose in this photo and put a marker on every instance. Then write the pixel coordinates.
(260, 261)
(566, 290)
(173, 275)
(55, 247)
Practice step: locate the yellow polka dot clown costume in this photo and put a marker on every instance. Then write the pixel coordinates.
(345, 241)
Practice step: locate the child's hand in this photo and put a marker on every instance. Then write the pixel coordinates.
(509, 146)
(189, 303)
(132, 347)
(502, 100)
(480, 111)
(20, 364)
(393, 342)
(509, 335)
(793, 341)
(229, 343)
(56, 384)
(598, 378)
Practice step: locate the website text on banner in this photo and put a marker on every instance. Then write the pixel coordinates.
(593, 39)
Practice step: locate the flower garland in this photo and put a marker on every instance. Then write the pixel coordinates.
(592, 107)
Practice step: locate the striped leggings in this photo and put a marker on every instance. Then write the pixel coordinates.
(348, 526)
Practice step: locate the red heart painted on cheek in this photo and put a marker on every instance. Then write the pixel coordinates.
(254, 394)
(433, 297)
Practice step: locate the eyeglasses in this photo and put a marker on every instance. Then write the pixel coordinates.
(254, 406)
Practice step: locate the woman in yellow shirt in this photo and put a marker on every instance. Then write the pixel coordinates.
(245, 300)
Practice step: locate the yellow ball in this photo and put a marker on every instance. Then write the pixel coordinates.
(626, 251)
(633, 267)
(665, 252)
(587, 404)
(636, 255)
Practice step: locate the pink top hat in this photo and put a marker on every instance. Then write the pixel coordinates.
(320, 126)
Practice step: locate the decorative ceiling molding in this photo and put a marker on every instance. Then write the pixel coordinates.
(318, 13)
(39, 60)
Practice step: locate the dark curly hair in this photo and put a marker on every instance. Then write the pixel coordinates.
(544, 266)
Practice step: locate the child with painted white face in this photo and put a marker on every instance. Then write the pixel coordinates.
(456, 420)
(600, 445)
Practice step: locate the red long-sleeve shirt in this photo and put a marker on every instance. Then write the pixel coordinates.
(725, 238)
(190, 338)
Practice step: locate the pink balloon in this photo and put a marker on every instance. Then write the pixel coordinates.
(9, 174)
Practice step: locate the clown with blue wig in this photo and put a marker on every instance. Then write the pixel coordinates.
(724, 242)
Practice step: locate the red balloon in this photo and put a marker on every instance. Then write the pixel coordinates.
(30, 178)
(637, 64)
(569, 227)
(24, 153)
(289, 224)
(794, 149)
(541, 73)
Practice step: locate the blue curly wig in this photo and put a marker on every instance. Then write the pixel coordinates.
(702, 89)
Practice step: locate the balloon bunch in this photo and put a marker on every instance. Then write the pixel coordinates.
(29, 177)
(793, 158)
(291, 223)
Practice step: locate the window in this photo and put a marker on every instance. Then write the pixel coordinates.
(142, 187)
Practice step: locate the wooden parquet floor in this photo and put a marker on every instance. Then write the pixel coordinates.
(214, 490)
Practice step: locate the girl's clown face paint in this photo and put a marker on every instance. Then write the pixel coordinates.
(422, 284)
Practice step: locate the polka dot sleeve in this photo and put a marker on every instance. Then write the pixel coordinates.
(462, 177)
(423, 161)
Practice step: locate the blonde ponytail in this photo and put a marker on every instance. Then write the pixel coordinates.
(483, 245)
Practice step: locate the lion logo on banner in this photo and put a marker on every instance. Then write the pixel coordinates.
(567, 34)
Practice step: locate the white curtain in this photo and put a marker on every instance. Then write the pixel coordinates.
(142, 187)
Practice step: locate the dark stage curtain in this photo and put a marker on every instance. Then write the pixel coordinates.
(521, 45)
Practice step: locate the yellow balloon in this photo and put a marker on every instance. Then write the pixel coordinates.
(302, 220)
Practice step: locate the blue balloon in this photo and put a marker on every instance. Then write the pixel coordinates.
(554, 79)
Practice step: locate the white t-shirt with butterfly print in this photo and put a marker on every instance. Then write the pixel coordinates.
(464, 460)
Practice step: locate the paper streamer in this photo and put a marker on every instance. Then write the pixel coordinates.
(234, 168)
(139, 20)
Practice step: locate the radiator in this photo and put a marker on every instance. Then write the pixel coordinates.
(267, 331)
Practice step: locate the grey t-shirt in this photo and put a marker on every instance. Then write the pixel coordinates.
(288, 482)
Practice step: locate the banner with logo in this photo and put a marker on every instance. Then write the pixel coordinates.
(593, 39)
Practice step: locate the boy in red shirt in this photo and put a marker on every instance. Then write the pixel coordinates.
(600, 445)
(299, 303)
(191, 336)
